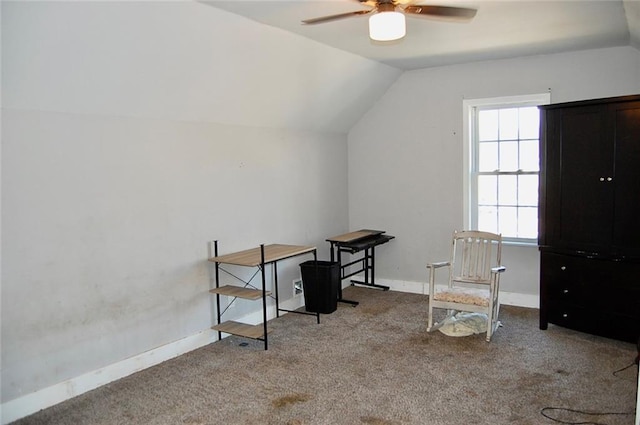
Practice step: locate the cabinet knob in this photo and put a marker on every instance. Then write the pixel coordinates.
(563, 268)
(609, 179)
(565, 291)
(601, 179)
(565, 315)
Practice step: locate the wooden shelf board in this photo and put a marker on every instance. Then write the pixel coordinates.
(241, 329)
(252, 257)
(237, 291)
(354, 236)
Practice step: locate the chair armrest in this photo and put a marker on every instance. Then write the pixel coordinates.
(498, 269)
(432, 274)
(438, 265)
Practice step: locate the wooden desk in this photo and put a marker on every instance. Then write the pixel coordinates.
(355, 236)
(272, 253)
(254, 257)
(361, 240)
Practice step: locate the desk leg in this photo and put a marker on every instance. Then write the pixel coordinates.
(371, 266)
(275, 287)
(215, 251)
(340, 299)
(315, 261)
(264, 298)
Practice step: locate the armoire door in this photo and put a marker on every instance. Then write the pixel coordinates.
(586, 182)
(625, 119)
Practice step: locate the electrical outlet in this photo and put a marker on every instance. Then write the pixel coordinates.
(297, 287)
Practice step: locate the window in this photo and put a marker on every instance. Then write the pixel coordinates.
(503, 165)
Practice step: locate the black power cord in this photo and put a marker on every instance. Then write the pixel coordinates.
(625, 368)
(545, 409)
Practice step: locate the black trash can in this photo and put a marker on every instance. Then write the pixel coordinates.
(320, 280)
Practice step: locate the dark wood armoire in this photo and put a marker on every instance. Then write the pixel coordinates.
(589, 236)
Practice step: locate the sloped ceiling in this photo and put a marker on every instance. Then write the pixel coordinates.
(179, 60)
(501, 29)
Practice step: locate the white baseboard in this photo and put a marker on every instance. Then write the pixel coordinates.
(506, 298)
(26, 405)
(31, 403)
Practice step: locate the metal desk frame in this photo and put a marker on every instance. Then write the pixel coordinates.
(362, 240)
(258, 257)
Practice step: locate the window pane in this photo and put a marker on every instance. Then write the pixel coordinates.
(528, 190)
(528, 223)
(508, 190)
(529, 155)
(508, 156)
(506, 170)
(488, 156)
(487, 190)
(529, 121)
(488, 125)
(488, 219)
(508, 221)
(508, 124)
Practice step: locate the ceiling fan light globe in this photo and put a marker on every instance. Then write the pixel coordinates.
(387, 26)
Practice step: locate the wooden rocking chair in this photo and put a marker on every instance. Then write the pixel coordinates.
(474, 278)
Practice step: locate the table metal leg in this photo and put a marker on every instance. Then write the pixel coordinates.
(369, 265)
(340, 299)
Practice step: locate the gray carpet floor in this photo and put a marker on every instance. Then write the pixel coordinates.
(375, 364)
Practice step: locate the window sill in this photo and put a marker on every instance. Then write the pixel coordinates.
(532, 244)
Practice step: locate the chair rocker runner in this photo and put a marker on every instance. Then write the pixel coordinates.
(474, 279)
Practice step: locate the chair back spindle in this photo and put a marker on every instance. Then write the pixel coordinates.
(474, 254)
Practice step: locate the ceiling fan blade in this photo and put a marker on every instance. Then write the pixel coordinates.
(372, 3)
(335, 17)
(456, 13)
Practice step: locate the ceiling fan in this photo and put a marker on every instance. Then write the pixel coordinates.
(387, 16)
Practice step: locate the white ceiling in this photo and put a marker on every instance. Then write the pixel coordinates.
(500, 29)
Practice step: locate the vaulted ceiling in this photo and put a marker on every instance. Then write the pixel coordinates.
(500, 29)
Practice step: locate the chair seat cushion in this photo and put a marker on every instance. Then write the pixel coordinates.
(464, 295)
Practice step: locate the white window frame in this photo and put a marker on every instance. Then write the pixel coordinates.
(470, 108)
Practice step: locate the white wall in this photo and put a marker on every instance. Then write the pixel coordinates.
(135, 132)
(405, 154)
(106, 222)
